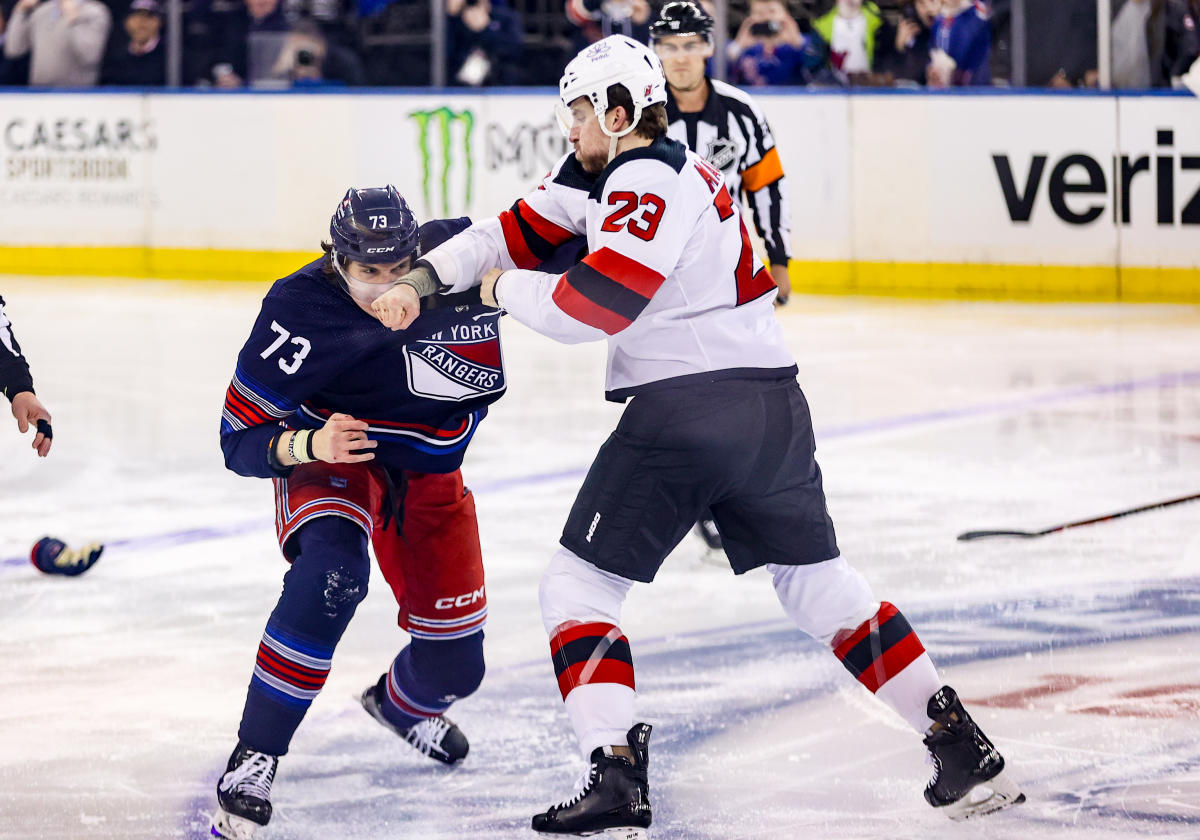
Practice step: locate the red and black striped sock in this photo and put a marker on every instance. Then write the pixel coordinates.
(879, 648)
(585, 654)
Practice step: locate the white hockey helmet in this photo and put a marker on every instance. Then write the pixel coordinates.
(615, 60)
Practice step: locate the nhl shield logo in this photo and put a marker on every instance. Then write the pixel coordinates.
(459, 364)
(722, 153)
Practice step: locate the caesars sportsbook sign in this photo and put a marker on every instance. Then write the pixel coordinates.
(72, 158)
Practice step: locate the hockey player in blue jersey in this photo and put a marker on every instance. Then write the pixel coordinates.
(362, 431)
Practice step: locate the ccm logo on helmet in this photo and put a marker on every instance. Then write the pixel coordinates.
(464, 600)
(381, 250)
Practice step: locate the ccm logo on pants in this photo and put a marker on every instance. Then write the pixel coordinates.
(459, 601)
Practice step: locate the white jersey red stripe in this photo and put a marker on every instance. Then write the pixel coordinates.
(671, 281)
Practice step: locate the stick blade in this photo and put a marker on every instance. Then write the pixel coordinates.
(967, 536)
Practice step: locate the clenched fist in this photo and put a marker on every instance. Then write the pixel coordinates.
(398, 307)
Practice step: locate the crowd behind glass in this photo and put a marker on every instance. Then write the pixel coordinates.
(231, 44)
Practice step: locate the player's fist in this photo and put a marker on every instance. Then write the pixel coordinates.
(29, 411)
(343, 440)
(398, 307)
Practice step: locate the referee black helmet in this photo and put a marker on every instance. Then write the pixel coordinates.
(681, 17)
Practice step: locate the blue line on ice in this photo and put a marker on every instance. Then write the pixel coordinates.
(1167, 380)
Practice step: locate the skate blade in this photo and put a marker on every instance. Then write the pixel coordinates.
(991, 796)
(626, 833)
(228, 827)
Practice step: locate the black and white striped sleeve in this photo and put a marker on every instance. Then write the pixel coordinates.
(14, 370)
(764, 185)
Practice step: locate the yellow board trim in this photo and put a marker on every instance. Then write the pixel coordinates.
(998, 282)
(895, 279)
(154, 263)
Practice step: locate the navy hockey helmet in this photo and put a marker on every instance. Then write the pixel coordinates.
(374, 225)
(682, 17)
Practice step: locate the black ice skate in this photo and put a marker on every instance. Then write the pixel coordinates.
(244, 794)
(613, 799)
(968, 773)
(438, 737)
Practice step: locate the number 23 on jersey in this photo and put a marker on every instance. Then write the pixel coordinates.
(645, 224)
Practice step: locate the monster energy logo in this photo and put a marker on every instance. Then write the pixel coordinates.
(444, 119)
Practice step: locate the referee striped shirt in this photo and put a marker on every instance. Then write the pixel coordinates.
(732, 134)
(14, 371)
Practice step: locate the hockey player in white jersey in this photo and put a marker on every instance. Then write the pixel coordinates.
(715, 420)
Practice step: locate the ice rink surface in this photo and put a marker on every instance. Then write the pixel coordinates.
(1077, 652)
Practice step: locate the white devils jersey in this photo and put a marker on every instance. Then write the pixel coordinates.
(671, 279)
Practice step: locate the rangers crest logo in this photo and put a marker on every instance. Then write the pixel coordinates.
(459, 364)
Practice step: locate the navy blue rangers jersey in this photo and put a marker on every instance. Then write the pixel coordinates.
(313, 352)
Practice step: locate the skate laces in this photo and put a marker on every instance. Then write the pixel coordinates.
(253, 776)
(427, 735)
(582, 785)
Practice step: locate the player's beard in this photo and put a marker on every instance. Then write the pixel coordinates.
(592, 164)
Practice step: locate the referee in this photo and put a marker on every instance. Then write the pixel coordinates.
(724, 126)
(17, 385)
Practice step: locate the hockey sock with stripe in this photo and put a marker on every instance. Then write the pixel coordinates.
(594, 667)
(321, 591)
(427, 676)
(885, 655)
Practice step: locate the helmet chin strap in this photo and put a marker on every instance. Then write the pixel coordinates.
(614, 136)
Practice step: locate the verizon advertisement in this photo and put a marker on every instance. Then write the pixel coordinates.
(1086, 181)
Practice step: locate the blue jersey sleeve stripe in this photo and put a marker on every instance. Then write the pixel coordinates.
(281, 404)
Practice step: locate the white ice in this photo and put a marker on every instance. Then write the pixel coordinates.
(1077, 651)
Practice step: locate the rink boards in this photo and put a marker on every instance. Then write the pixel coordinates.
(1080, 197)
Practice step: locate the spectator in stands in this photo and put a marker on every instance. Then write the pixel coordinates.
(770, 49)
(598, 19)
(309, 59)
(902, 50)
(232, 65)
(11, 71)
(1060, 43)
(136, 55)
(849, 28)
(484, 40)
(962, 44)
(337, 19)
(64, 38)
(760, 12)
(1154, 42)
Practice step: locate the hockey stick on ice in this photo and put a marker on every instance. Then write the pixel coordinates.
(975, 535)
